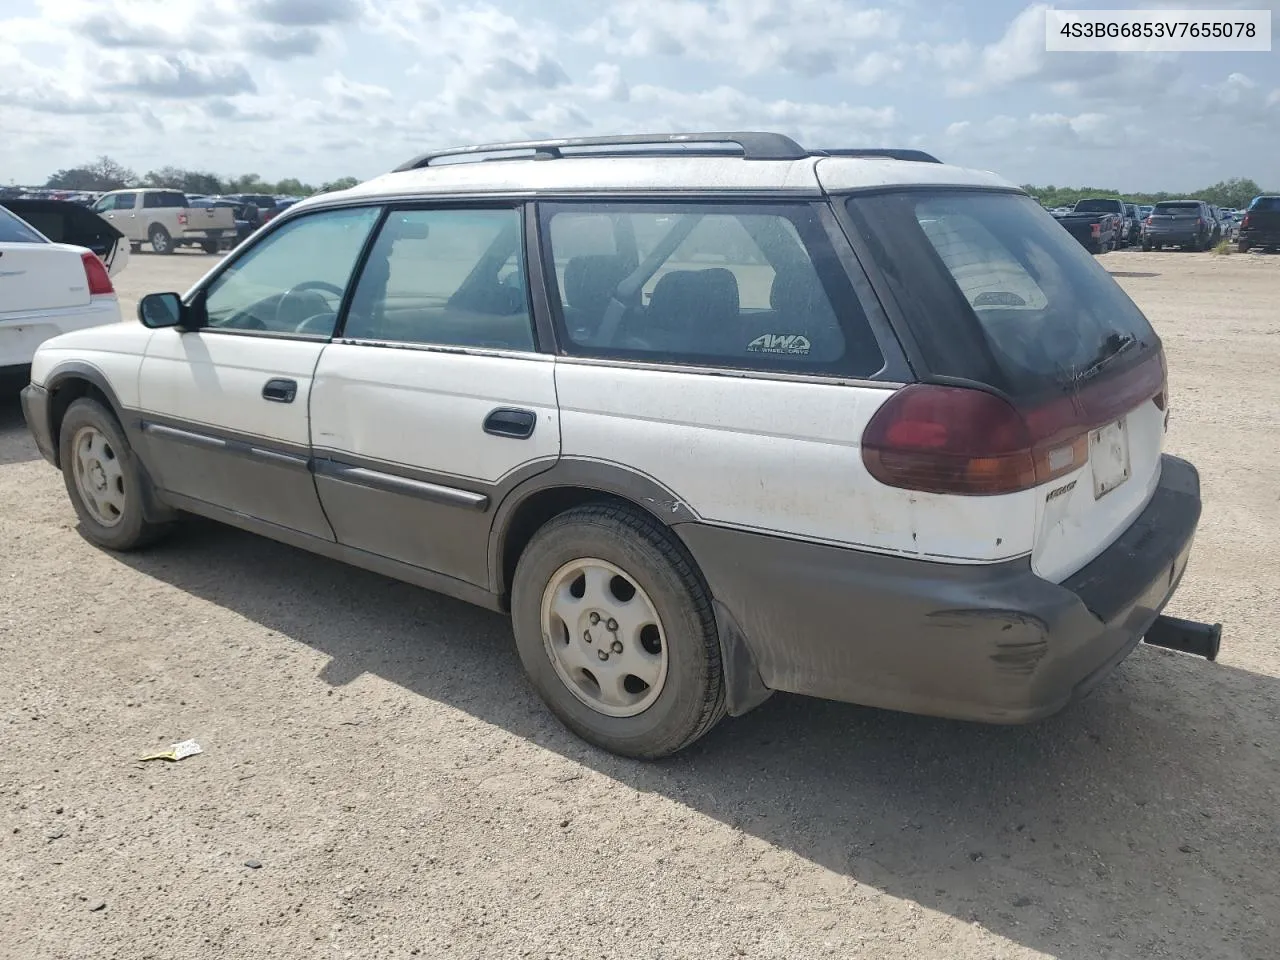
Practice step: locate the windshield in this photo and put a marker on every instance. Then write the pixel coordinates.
(15, 230)
(1096, 206)
(1046, 313)
(1177, 209)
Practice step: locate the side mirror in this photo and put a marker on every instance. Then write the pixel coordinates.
(157, 310)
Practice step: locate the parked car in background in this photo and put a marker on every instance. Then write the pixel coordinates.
(243, 227)
(46, 288)
(1133, 225)
(1261, 225)
(65, 221)
(1230, 221)
(1144, 210)
(1179, 223)
(166, 220)
(652, 408)
(1098, 224)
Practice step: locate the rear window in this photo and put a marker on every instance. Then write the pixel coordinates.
(1096, 206)
(14, 230)
(1265, 205)
(996, 291)
(1177, 209)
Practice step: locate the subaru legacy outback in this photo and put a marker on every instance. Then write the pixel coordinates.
(709, 415)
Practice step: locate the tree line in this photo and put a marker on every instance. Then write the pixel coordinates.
(106, 174)
(1235, 193)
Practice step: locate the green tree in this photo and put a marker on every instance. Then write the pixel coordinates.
(344, 183)
(293, 187)
(102, 174)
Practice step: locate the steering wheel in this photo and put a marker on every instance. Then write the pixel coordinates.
(303, 302)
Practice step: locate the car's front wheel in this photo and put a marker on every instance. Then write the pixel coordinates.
(103, 478)
(615, 628)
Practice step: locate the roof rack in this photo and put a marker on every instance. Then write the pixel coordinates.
(887, 153)
(753, 146)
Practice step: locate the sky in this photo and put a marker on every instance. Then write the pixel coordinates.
(319, 89)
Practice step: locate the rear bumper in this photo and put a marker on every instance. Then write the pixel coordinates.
(993, 643)
(20, 335)
(35, 410)
(1173, 236)
(1261, 238)
(203, 235)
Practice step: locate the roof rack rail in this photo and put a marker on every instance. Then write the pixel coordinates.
(886, 153)
(753, 146)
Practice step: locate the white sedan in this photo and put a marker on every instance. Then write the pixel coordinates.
(48, 288)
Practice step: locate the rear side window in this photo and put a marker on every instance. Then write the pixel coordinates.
(164, 200)
(752, 286)
(996, 291)
(15, 230)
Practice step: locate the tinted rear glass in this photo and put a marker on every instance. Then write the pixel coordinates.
(13, 230)
(1096, 206)
(1177, 209)
(164, 200)
(1265, 205)
(995, 289)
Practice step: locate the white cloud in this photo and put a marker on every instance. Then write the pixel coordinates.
(806, 37)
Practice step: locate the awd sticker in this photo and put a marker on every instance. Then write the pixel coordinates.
(794, 344)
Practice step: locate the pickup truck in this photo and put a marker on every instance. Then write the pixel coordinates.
(1261, 225)
(1098, 224)
(166, 220)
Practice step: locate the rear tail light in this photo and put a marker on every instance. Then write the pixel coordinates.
(1199, 221)
(1245, 221)
(1095, 228)
(1147, 221)
(95, 272)
(957, 440)
(182, 219)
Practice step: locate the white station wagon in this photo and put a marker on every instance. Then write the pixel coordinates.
(710, 415)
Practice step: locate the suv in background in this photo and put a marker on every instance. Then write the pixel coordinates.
(166, 220)
(1133, 224)
(1179, 223)
(848, 423)
(1261, 225)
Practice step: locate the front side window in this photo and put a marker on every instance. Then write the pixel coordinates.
(125, 201)
(754, 286)
(15, 230)
(451, 277)
(293, 280)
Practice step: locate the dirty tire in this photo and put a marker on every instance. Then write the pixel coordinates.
(160, 240)
(135, 247)
(209, 247)
(132, 530)
(692, 698)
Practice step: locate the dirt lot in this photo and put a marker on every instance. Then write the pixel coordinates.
(375, 749)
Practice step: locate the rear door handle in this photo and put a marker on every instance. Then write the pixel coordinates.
(280, 390)
(509, 422)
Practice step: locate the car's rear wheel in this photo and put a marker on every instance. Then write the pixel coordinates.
(209, 246)
(160, 240)
(1243, 246)
(1146, 246)
(103, 478)
(615, 628)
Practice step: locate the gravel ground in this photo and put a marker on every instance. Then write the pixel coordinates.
(379, 781)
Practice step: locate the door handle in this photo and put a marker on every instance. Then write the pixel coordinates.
(509, 422)
(280, 390)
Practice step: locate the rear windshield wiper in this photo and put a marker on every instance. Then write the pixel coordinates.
(1112, 347)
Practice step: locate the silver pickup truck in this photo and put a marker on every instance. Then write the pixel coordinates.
(164, 219)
